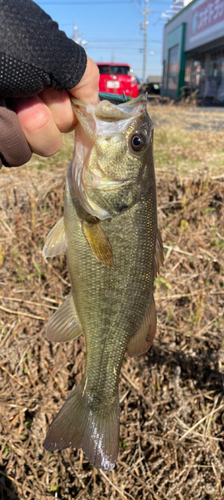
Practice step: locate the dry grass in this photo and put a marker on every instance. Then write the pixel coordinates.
(171, 436)
(189, 139)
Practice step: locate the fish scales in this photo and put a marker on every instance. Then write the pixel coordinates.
(113, 251)
(104, 301)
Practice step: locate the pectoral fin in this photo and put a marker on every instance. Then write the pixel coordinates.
(56, 240)
(64, 324)
(143, 338)
(98, 242)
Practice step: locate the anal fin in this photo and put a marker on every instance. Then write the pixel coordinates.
(142, 340)
(98, 242)
(64, 324)
(56, 240)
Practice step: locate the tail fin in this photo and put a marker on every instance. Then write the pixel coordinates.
(79, 425)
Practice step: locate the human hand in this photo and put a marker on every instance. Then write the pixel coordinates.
(38, 60)
(44, 117)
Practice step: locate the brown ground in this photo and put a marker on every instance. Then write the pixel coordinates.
(171, 433)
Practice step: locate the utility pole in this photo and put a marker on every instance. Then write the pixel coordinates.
(144, 27)
(145, 12)
(75, 29)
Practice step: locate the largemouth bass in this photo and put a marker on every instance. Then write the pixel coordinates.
(114, 250)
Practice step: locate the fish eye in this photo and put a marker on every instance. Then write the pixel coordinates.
(137, 142)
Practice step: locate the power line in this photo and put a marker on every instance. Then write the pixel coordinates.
(121, 47)
(87, 3)
(127, 49)
(95, 2)
(111, 40)
(118, 40)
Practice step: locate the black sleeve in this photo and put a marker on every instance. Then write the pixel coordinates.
(34, 53)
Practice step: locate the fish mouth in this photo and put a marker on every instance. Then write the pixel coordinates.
(141, 99)
(94, 117)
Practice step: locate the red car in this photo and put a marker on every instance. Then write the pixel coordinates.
(118, 78)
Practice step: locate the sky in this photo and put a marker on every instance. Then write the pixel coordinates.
(111, 29)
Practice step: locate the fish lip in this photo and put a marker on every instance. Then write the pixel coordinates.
(109, 184)
(100, 112)
(142, 98)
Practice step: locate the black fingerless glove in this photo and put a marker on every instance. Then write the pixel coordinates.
(34, 53)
